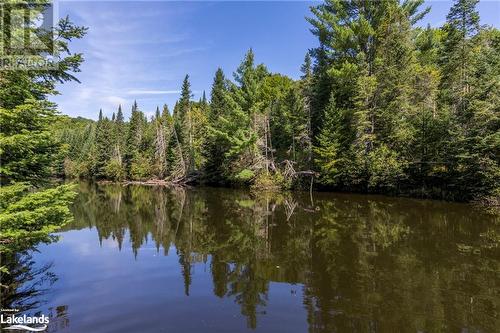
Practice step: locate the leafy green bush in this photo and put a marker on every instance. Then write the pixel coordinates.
(28, 216)
(114, 170)
(244, 176)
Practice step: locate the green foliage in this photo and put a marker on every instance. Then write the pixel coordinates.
(406, 99)
(244, 176)
(140, 168)
(26, 144)
(381, 106)
(114, 170)
(331, 155)
(28, 217)
(134, 138)
(214, 144)
(385, 167)
(30, 210)
(103, 148)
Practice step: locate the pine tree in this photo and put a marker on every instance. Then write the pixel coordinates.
(115, 169)
(30, 208)
(380, 106)
(306, 68)
(248, 77)
(119, 115)
(160, 142)
(467, 86)
(219, 89)
(28, 148)
(157, 113)
(184, 102)
(457, 56)
(120, 128)
(165, 113)
(103, 146)
(203, 99)
(134, 140)
(184, 125)
(301, 145)
(214, 152)
(333, 152)
(306, 90)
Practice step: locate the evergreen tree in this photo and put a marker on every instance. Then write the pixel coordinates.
(333, 151)
(184, 102)
(248, 77)
(469, 90)
(184, 127)
(134, 141)
(31, 209)
(165, 113)
(160, 142)
(203, 99)
(119, 115)
(103, 146)
(157, 113)
(214, 152)
(381, 106)
(306, 90)
(306, 68)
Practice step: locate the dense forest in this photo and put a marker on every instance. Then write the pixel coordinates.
(381, 106)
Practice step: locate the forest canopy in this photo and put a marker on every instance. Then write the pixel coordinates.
(382, 106)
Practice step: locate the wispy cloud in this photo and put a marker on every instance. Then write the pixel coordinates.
(153, 92)
(120, 58)
(114, 100)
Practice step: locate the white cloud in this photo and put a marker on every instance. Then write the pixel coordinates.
(114, 100)
(123, 63)
(153, 92)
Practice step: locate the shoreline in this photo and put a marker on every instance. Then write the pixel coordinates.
(491, 203)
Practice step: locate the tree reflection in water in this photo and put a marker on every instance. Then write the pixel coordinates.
(25, 286)
(364, 263)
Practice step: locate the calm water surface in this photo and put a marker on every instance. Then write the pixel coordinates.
(152, 259)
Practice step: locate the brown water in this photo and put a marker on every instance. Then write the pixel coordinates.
(152, 259)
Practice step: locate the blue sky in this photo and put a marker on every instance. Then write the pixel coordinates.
(143, 49)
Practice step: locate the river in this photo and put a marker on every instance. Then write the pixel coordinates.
(146, 259)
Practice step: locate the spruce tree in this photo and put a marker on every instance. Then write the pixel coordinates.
(469, 62)
(165, 112)
(184, 101)
(103, 146)
(333, 151)
(214, 152)
(120, 137)
(248, 76)
(306, 90)
(134, 139)
(119, 115)
(157, 113)
(31, 209)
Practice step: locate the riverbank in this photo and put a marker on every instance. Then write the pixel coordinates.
(490, 202)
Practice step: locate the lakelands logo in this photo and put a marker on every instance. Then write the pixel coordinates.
(25, 323)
